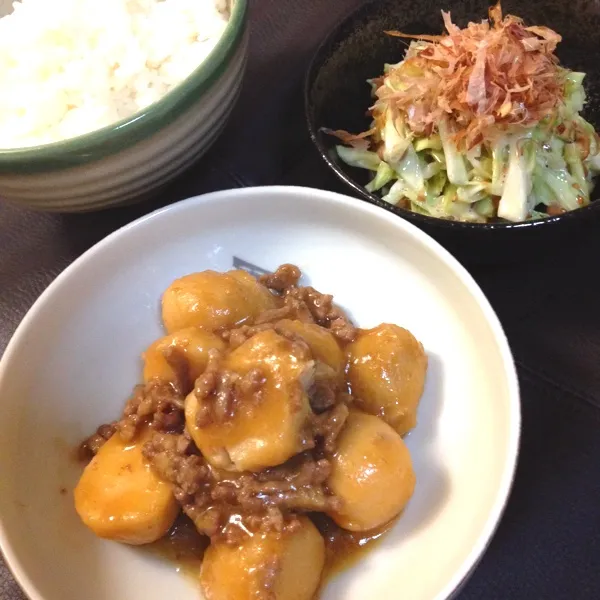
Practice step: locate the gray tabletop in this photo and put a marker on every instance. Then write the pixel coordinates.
(547, 545)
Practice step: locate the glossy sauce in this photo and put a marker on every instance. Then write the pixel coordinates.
(184, 546)
(344, 548)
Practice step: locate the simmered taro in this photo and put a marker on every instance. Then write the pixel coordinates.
(263, 412)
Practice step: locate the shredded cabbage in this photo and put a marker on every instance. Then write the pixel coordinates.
(513, 170)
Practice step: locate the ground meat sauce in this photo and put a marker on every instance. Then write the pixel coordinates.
(322, 311)
(285, 277)
(224, 389)
(185, 547)
(223, 505)
(91, 445)
(156, 403)
(327, 426)
(306, 304)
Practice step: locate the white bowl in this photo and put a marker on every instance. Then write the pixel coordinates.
(75, 358)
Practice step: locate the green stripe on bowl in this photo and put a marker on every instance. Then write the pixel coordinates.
(112, 139)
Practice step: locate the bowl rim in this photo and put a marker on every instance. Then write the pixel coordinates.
(347, 203)
(315, 134)
(126, 132)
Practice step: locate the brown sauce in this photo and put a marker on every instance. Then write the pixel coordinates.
(344, 548)
(184, 547)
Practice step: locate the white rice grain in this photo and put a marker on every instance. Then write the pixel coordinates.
(68, 67)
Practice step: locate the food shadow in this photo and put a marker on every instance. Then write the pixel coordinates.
(58, 553)
(433, 482)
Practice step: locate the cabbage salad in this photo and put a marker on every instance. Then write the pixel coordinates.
(480, 124)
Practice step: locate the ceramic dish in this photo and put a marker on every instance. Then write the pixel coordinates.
(337, 96)
(134, 158)
(76, 356)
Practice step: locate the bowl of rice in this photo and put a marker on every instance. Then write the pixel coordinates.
(103, 103)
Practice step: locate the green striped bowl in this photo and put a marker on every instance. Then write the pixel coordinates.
(134, 158)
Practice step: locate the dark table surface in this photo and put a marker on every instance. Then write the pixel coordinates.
(548, 544)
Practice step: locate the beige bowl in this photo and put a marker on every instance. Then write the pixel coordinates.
(132, 159)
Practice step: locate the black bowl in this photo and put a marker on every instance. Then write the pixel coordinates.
(337, 96)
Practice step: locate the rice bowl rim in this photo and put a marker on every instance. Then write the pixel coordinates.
(113, 138)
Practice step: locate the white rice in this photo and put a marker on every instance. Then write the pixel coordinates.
(68, 67)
